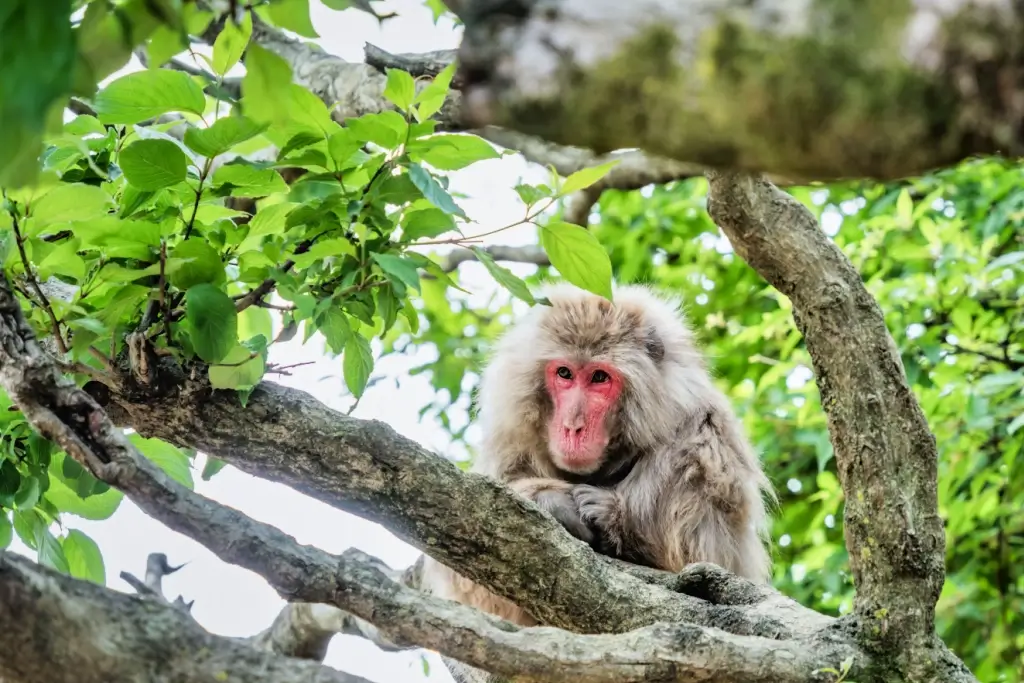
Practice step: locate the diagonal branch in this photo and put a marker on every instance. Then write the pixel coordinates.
(885, 453)
(55, 629)
(365, 587)
(366, 468)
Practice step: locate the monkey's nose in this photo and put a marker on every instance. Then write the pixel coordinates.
(572, 431)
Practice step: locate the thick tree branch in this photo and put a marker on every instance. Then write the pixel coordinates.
(365, 468)
(55, 629)
(353, 89)
(885, 453)
(807, 90)
(362, 585)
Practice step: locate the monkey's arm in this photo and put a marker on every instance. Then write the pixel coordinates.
(553, 495)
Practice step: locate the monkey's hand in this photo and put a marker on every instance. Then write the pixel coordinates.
(602, 511)
(554, 496)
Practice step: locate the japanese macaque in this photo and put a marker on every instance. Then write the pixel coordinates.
(605, 416)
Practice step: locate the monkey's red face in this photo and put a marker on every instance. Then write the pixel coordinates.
(584, 395)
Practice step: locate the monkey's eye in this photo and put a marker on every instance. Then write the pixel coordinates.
(564, 372)
(599, 377)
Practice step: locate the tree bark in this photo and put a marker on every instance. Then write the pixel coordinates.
(810, 90)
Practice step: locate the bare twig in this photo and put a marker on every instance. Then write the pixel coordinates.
(44, 302)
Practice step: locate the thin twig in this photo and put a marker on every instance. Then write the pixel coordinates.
(45, 303)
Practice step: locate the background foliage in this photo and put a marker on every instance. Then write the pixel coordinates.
(164, 246)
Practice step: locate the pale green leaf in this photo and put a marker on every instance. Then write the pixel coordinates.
(153, 164)
(85, 561)
(400, 88)
(200, 264)
(238, 370)
(248, 181)
(224, 134)
(292, 15)
(585, 177)
(147, 94)
(67, 202)
(357, 364)
(266, 85)
(231, 43)
(504, 276)
(578, 256)
(386, 128)
(451, 152)
(431, 98)
(255, 320)
(168, 457)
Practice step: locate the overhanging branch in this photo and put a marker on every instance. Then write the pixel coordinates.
(808, 90)
(55, 629)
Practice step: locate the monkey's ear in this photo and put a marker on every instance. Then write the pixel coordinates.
(654, 345)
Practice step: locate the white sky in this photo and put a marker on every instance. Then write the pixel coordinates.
(233, 601)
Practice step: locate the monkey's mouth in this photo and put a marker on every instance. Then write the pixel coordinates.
(580, 458)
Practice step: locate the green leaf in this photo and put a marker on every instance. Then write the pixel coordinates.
(386, 128)
(98, 506)
(85, 561)
(147, 94)
(451, 152)
(49, 550)
(28, 493)
(67, 202)
(6, 530)
(164, 44)
(253, 321)
(222, 135)
(38, 54)
(433, 191)
(399, 269)
(578, 256)
(334, 326)
(63, 260)
(429, 222)
(269, 220)
(169, 458)
(213, 322)
(585, 177)
(231, 43)
(432, 97)
(245, 375)
(357, 364)
(292, 15)
(212, 467)
(504, 276)
(266, 85)
(905, 208)
(203, 265)
(153, 164)
(400, 89)
(531, 194)
(961, 319)
(248, 181)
